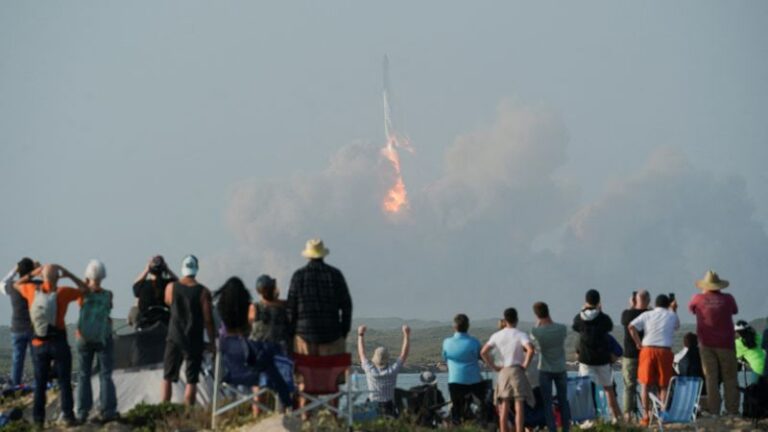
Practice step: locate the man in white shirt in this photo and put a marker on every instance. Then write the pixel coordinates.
(656, 358)
(516, 351)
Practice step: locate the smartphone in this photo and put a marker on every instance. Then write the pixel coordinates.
(634, 297)
(671, 297)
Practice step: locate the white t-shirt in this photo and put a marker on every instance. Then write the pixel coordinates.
(659, 326)
(509, 343)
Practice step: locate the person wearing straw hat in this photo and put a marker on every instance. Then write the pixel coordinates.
(319, 306)
(714, 312)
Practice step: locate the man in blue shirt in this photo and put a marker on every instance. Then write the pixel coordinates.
(462, 353)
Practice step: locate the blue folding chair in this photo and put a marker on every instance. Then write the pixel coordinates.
(681, 404)
(581, 399)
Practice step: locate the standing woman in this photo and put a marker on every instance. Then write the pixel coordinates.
(94, 339)
(269, 321)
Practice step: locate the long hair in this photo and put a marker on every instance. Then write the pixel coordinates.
(232, 303)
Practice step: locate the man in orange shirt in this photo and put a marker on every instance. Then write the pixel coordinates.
(52, 348)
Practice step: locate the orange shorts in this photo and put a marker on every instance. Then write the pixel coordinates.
(655, 366)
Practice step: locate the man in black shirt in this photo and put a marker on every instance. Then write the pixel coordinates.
(149, 289)
(638, 305)
(21, 325)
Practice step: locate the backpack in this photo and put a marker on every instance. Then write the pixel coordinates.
(94, 323)
(42, 313)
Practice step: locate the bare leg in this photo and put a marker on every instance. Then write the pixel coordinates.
(663, 395)
(190, 394)
(519, 415)
(503, 416)
(644, 401)
(166, 391)
(610, 394)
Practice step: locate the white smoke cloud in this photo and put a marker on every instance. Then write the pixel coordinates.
(466, 243)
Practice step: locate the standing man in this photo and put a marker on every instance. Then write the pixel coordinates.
(149, 290)
(656, 358)
(190, 304)
(319, 305)
(594, 327)
(551, 339)
(21, 326)
(48, 304)
(714, 312)
(638, 304)
(462, 353)
(516, 352)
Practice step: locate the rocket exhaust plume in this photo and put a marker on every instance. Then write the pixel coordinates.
(396, 198)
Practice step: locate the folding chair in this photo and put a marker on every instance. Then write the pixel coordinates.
(240, 372)
(684, 404)
(320, 375)
(581, 399)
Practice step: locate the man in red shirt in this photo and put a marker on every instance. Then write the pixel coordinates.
(714, 312)
(52, 350)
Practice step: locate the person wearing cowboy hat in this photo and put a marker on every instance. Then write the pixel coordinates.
(714, 312)
(319, 306)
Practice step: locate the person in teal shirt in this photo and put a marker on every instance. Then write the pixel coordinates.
(749, 348)
(462, 353)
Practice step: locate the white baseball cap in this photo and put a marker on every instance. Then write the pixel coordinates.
(189, 266)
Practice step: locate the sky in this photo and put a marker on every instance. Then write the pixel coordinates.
(558, 146)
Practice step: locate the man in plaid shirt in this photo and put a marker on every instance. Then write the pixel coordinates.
(319, 305)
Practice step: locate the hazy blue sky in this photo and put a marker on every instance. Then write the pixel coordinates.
(134, 128)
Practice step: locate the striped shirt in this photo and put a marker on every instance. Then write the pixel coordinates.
(382, 382)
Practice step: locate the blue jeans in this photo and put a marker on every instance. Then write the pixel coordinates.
(560, 379)
(21, 342)
(107, 396)
(54, 353)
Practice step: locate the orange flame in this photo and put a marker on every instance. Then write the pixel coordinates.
(397, 197)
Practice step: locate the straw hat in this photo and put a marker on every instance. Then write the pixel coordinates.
(315, 249)
(711, 282)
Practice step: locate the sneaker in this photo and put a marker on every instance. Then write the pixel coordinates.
(587, 424)
(70, 422)
(615, 421)
(645, 421)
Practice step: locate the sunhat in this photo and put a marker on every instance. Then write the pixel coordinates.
(427, 377)
(189, 266)
(315, 249)
(380, 357)
(711, 282)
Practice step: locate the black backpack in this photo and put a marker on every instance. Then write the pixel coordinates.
(755, 404)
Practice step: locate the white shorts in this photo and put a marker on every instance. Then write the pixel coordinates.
(602, 375)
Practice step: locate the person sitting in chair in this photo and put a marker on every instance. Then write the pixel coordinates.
(379, 373)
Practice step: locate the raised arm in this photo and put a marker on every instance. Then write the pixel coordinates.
(361, 345)
(144, 273)
(68, 274)
(406, 344)
(7, 283)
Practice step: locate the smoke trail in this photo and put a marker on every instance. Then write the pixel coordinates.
(396, 198)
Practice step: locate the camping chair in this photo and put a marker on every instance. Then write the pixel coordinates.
(239, 360)
(682, 401)
(320, 375)
(581, 399)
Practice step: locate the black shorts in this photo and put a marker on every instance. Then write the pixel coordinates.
(174, 356)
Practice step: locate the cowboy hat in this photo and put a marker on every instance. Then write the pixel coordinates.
(315, 249)
(711, 282)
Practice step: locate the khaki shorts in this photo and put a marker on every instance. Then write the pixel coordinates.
(300, 346)
(513, 384)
